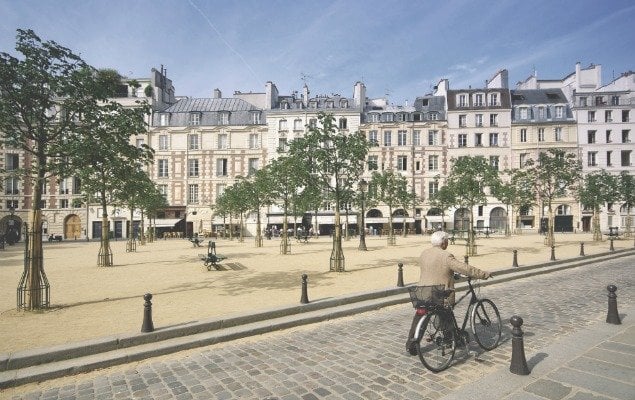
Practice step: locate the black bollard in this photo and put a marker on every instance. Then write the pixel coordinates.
(466, 259)
(611, 248)
(304, 299)
(147, 326)
(515, 263)
(581, 248)
(400, 275)
(519, 363)
(553, 253)
(612, 317)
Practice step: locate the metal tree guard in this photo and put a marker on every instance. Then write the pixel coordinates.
(29, 292)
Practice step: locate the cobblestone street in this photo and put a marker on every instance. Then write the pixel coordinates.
(360, 357)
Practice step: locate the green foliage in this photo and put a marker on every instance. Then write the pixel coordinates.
(391, 189)
(597, 189)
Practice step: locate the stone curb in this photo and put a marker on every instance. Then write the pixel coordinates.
(53, 362)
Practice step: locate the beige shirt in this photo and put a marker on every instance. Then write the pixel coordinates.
(437, 267)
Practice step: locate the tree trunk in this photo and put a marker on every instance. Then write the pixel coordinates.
(241, 237)
(258, 230)
(629, 223)
(142, 230)
(597, 233)
(284, 243)
(337, 254)
(104, 258)
(471, 239)
(550, 239)
(508, 231)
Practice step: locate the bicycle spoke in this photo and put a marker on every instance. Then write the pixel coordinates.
(486, 324)
(436, 346)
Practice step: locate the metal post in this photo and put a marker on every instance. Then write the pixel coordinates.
(519, 363)
(612, 248)
(363, 186)
(400, 275)
(553, 253)
(466, 259)
(612, 317)
(304, 299)
(515, 263)
(147, 326)
(581, 248)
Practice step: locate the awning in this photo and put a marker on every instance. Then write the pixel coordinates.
(166, 222)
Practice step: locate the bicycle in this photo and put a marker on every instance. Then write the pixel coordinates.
(438, 334)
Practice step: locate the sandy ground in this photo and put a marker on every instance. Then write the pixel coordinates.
(89, 302)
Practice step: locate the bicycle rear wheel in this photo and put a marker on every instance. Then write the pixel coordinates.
(436, 344)
(486, 324)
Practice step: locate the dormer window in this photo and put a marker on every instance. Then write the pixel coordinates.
(401, 117)
(389, 117)
(313, 104)
(255, 118)
(164, 119)
(329, 104)
(224, 118)
(194, 118)
(344, 103)
(493, 99)
(479, 100)
(373, 117)
(284, 105)
(462, 100)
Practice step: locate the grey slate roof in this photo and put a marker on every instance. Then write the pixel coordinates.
(208, 104)
(538, 96)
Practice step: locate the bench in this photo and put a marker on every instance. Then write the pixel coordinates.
(57, 238)
(211, 259)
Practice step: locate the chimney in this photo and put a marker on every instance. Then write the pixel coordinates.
(217, 94)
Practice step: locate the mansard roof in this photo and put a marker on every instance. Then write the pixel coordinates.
(210, 105)
(538, 96)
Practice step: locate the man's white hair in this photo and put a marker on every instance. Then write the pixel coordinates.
(437, 238)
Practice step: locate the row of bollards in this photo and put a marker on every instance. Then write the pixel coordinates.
(518, 364)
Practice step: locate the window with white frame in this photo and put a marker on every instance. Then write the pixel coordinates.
(592, 158)
(433, 138)
(523, 113)
(163, 190)
(478, 100)
(557, 134)
(626, 158)
(192, 141)
(389, 117)
(493, 120)
(608, 159)
(462, 139)
(541, 134)
(192, 197)
(478, 119)
(372, 138)
(297, 124)
(343, 123)
(374, 117)
(64, 203)
(462, 120)
(312, 122)
(222, 141)
(162, 166)
(224, 118)
(402, 163)
(12, 161)
(11, 185)
(194, 119)
(402, 138)
(254, 143)
(253, 165)
(63, 186)
(608, 116)
(493, 139)
(541, 113)
(282, 144)
(416, 138)
(192, 168)
(493, 99)
(608, 136)
(615, 100)
(626, 135)
(591, 116)
(220, 189)
(164, 119)
(433, 163)
(524, 157)
(478, 139)
(163, 142)
(221, 167)
(373, 162)
(282, 125)
(523, 135)
(583, 101)
(493, 161)
(590, 136)
(559, 111)
(462, 100)
(255, 118)
(433, 188)
(387, 138)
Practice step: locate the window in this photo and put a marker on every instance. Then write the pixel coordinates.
(253, 165)
(389, 117)
(557, 134)
(402, 138)
(559, 112)
(479, 119)
(478, 99)
(13, 204)
(608, 136)
(608, 117)
(493, 161)
(11, 186)
(222, 141)
(282, 125)
(163, 189)
(590, 136)
(615, 100)
(523, 113)
(297, 124)
(462, 120)
(372, 138)
(192, 197)
(625, 117)
(163, 168)
(541, 134)
(343, 103)
(433, 138)
(493, 120)
(462, 140)
(523, 135)
(401, 117)
(402, 163)
(195, 119)
(524, 157)
(626, 136)
(192, 141)
(433, 188)
(374, 117)
(373, 163)
(163, 142)
(433, 116)
(626, 158)
(64, 203)
(608, 159)
(418, 165)
(12, 161)
(478, 139)
(592, 158)
(164, 119)
(493, 99)
(221, 167)
(591, 116)
(282, 145)
(140, 143)
(480, 211)
(77, 185)
(343, 123)
(255, 118)
(192, 167)
(583, 101)
(599, 101)
(253, 141)
(433, 163)
(312, 123)
(541, 113)
(387, 138)
(493, 139)
(417, 117)
(224, 118)
(416, 138)
(462, 100)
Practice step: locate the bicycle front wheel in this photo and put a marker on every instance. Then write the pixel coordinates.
(486, 324)
(436, 344)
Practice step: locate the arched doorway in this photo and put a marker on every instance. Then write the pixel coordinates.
(399, 219)
(462, 219)
(374, 221)
(72, 227)
(11, 228)
(498, 219)
(563, 220)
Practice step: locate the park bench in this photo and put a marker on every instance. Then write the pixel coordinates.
(211, 259)
(57, 238)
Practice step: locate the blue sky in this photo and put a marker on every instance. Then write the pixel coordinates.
(397, 48)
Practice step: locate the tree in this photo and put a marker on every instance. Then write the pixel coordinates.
(468, 179)
(42, 96)
(336, 158)
(555, 174)
(516, 192)
(443, 199)
(597, 189)
(135, 193)
(390, 189)
(103, 155)
(627, 194)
